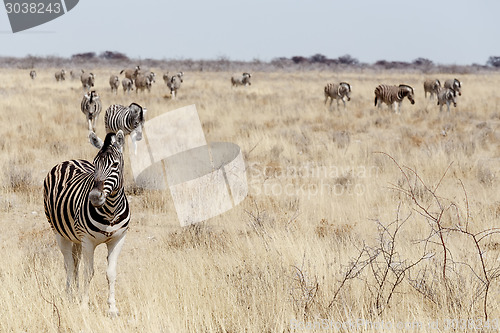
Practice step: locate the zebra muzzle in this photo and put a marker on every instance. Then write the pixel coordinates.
(97, 197)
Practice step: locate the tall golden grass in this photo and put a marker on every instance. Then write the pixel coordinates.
(331, 219)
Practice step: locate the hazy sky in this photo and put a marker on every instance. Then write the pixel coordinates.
(446, 32)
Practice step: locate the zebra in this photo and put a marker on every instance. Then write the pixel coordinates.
(339, 91)
(446, 96)
(454, 84)
(87, 79)
(393, 95)
(431, 87)
(60, 75)
(174, 83)
(129, 119)
(91, 107)
(85, 205)
(33, 74)
(131, 73)
(243, 80)
(143, 82)
(114, 83)
(127, 85)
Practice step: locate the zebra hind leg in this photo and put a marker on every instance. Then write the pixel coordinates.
(66, 247)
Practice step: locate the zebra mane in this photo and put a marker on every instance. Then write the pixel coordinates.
(108, 141)
(406, 86)
(347, 84)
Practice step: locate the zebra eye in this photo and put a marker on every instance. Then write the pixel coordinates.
(115, 165)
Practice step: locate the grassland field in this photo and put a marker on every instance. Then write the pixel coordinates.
(349, 215)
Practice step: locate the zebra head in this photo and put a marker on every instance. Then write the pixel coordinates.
(345, 90)
(406, 90)
(451, 96)
(137, 120)
(108, 173)
(457, 86)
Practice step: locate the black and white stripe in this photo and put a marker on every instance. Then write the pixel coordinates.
(431, 87)
(454, 84)
(130, 119)
(393, 95)
(446, 96)
(85, 204)
(340, 91)
(91, 107)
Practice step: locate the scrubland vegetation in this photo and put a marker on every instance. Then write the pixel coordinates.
(356, 217)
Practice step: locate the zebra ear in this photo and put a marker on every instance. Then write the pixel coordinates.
(95, 140)
(120, 139)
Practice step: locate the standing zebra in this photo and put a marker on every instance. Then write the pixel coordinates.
(431, 87)
(33, 74)
(446, 96)
(174, 83)
(60, 75)
(339, 91)
(129, 119)
(143, 82)
(128, 85)
(85, 204)
(91, 107)
(393, 95)
(87, 79)
(114, 83)
(454, 84)
(243, 80)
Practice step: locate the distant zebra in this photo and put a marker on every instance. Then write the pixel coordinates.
(87, 79)
(243, 80)
(130, 73)
(393, 95)
(91, 107)
(341, 91)
(33, 74)
(144, 82)
(128, 85)
(174, 83)
(446, 96)
(431, 87)
(85, 204)
(114, 83)
(130, 119)
(454, 84)
(60, 75)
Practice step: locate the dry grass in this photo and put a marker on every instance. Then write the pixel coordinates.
(320, 196)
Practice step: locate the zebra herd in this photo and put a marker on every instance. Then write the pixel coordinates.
(394, 95)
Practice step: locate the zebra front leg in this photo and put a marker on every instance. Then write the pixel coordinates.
(66, 247)
(114, 248)
(88, 272)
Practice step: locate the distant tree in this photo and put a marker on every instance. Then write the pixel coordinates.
(493, 61)
(113, 55)
(84, 56)
(348, 60)
(422, 62)
(299, 59)
(318, 58)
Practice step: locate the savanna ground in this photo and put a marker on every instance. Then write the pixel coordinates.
(358, 217)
